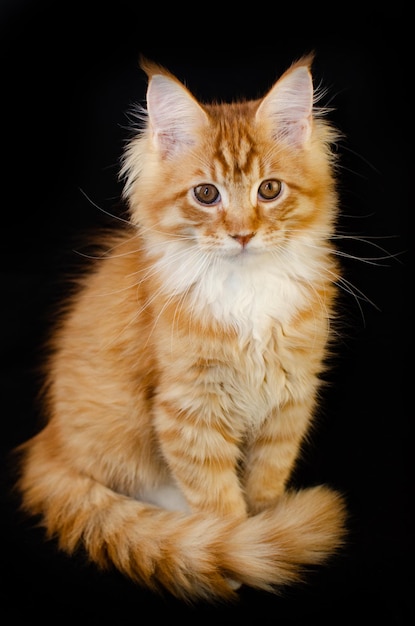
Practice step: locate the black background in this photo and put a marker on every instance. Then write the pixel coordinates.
(69, 77)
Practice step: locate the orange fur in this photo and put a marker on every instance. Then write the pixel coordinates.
(185, 371)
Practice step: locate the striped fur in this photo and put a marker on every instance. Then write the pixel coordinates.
(184, 372)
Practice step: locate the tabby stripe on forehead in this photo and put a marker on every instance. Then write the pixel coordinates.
(234, 159)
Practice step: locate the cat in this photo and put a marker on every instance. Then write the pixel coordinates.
(184, 371)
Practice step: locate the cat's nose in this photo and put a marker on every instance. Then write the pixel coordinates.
(243, 239)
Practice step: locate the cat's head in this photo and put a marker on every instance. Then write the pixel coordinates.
(231, 178)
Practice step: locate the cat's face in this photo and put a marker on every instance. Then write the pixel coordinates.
(232, 180)
(235, 191)
(243, 195)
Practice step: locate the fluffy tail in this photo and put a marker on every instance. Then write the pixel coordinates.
(192, 556)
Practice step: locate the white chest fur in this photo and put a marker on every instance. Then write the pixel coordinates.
(245, 291)
(249, 295)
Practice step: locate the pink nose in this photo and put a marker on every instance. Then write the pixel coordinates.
(243, 239)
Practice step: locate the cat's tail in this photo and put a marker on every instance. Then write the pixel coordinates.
(192, 556)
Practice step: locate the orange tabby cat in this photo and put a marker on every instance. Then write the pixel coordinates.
(184, 373)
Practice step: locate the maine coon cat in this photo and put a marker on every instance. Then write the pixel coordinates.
(184, 372)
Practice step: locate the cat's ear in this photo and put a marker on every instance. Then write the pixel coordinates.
(174, 115)
(288, 107)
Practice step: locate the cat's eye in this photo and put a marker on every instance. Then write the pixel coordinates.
(206, 194)
(269, 189)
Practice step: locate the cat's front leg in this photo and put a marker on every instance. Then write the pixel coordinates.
(271, 455)
(202, 454)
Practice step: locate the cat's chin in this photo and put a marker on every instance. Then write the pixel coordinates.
(244, 254)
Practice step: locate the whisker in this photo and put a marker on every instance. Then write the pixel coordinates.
(108, 253)
(369, 242)
(343, 283)
(368, 260)
(351, 289)
(346, 148)
(112, 215)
